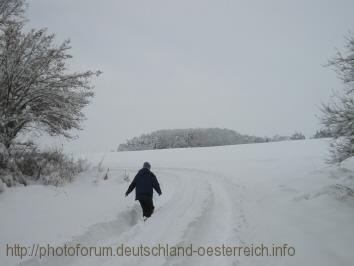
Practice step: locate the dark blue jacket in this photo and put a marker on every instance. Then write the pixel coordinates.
(144, 182)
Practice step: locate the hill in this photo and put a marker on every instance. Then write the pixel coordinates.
(279, 194)
(183, 138)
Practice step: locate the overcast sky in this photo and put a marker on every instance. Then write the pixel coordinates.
(252, 66)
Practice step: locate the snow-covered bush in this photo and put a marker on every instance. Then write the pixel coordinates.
(27, 163)
(8, 178)
(341, 149)
(2, 186)
(9, 173)
(4, 156)
(51, 167)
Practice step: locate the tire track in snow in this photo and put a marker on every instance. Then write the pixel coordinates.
(219, 223)
(203, 211)
(101, 231)
(169, 225)
(127, 226)
(216, 218)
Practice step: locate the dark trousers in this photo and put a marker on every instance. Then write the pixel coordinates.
(148, 206)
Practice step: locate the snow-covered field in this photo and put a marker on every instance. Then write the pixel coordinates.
(270, 194)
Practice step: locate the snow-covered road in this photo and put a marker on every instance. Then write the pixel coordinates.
(264, 194)
(205, 210)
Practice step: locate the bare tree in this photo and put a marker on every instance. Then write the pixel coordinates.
(338, 115)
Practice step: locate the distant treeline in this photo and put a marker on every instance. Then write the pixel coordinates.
(199, 137)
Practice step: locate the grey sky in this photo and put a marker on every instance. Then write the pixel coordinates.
(252, 66)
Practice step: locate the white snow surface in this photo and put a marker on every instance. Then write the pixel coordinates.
(242, 195)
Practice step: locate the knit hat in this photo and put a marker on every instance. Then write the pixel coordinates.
(147, 165)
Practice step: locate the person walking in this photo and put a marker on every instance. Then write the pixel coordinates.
(144, 182)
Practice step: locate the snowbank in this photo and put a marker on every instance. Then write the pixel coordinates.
(271, 194)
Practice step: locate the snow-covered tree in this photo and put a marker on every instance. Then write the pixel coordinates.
(11, 12)
(297, 136)
(338, 114)
(37, 92)
(322, 133)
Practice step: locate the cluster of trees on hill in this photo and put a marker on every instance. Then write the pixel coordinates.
(182, 138)
(199, 137)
